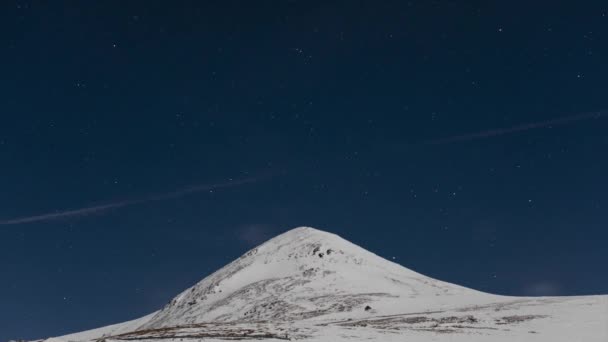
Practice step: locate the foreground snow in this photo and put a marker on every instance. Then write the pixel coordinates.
(312, 285)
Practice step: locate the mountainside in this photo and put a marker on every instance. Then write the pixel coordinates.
(304, 274)
(310, 284)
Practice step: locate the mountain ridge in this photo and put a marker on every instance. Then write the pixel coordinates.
(314, 285)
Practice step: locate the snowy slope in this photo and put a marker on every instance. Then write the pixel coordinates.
(310, 284)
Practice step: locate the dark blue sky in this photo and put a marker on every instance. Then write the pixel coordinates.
(333, 108)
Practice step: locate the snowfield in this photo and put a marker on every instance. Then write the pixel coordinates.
(311, 285)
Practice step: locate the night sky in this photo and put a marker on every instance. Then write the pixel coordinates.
(145, 144)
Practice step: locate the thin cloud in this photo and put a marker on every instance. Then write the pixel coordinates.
(124, 203)
(545, 288)
(515, 129)
(255, 234)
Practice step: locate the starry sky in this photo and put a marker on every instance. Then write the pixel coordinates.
(144, 144)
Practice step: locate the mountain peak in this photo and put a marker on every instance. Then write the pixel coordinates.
(303, 233)
(304, 230)
(303, 273)
(304, 236)
(306, 245)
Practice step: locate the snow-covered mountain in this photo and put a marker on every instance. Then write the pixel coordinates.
(313, 285)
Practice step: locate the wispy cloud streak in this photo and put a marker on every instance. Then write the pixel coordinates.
(124, 203)
(515, 129)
